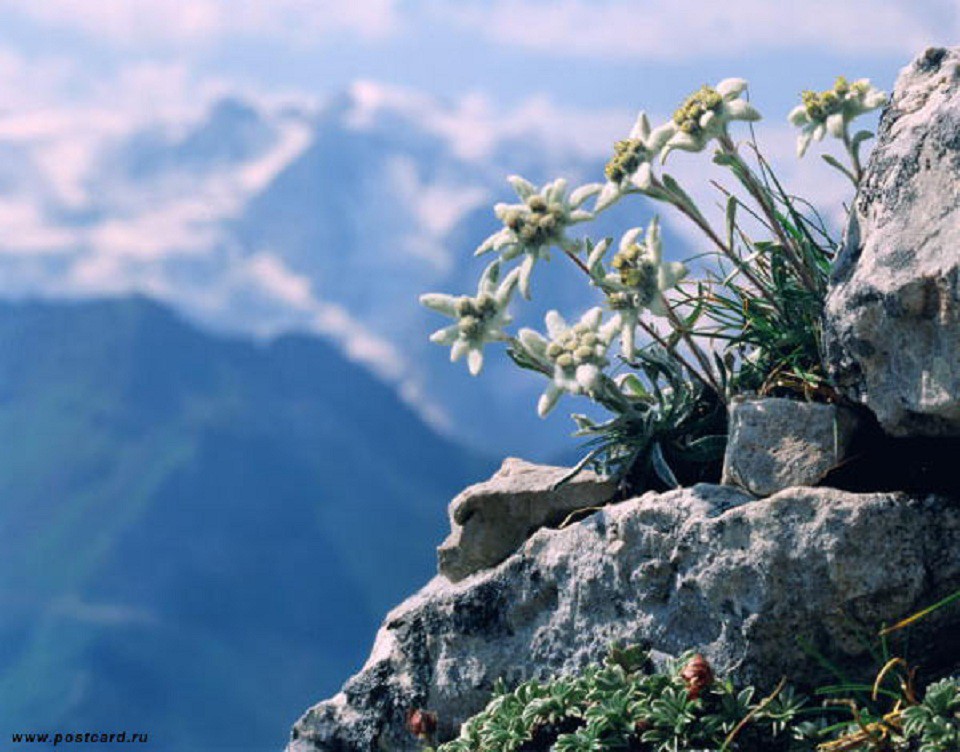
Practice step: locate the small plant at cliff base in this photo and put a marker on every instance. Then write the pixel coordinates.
(623, 705)
(662, 352)
(907, 723)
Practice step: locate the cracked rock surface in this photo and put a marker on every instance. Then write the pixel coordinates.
(706, 568)
(892, 328)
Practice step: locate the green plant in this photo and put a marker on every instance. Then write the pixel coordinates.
(624, 705)
(750, 323)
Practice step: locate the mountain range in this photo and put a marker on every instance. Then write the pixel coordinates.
(200, 533)
(328, 219)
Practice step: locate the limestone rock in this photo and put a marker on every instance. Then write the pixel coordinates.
(693, 568)
(777, 443)
(490, 520)
(892, 329)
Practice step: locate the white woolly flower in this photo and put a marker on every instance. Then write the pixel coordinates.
(480, 319)
(704, 115)
(576, 354)
(539, 222)
(630, 167)
(639, 278)
(831, 111)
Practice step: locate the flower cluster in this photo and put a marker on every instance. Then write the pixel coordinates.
(480, 319)
(831, 111)
(532, 227)
(639, 279)
(630, 166)
(751, 324)
(705, 114)
(576, 355)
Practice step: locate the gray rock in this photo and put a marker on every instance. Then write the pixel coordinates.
(777, 443)
(489, 521)
(892, 331)
(694, 568)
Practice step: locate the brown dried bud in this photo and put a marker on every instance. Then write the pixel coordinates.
(421, 723)
(698, 676)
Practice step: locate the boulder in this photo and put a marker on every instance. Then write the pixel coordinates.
(490, 520)
(892, 323)
(777, 443)
(751, 584)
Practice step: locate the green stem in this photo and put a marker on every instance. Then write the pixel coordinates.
(681, 329)
(757, 191)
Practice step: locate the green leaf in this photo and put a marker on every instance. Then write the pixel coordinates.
(731, 221)
(833, 162)
(704, 449)
(661, 468)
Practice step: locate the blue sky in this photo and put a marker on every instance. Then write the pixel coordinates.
(579, 53)
(80, 76)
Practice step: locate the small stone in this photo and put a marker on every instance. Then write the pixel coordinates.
(777, 443)
(489, 521)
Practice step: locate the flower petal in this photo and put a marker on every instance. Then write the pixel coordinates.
(584, 192)
(641, 128)
(836, 124)
(627, 339)
(446, 336)
(440, 302)
(460, 348)
(683, 141)
(534, 343)
(642, 179)
(598, 252)
(654, 244)
(555, 324)
(661, 134)
(630, 237)
(657, 307)
(592, 317)
(670, 274)
(475, 361)
(608, 196)
(505, 291)
(555, 190)
(731, 88)
(741, 109)
(524, 188)
(588, 376)
(548, 400)
(526, 269)
(803, 142)
(798, 116)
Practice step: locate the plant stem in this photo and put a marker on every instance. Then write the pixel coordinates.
(854, 158)
(706, 377)
(682, 330)
(709, 384)
(759, 195)
(726, 250)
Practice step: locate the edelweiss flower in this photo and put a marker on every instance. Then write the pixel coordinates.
(479, 319)
(577, 354)
(704, 115)
(630, 164)
(538, 223)
(640, 278)
(832, 110)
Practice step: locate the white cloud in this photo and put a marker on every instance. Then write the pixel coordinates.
(474, 126)
(162, 23)
(676, 30)
(100, 614)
